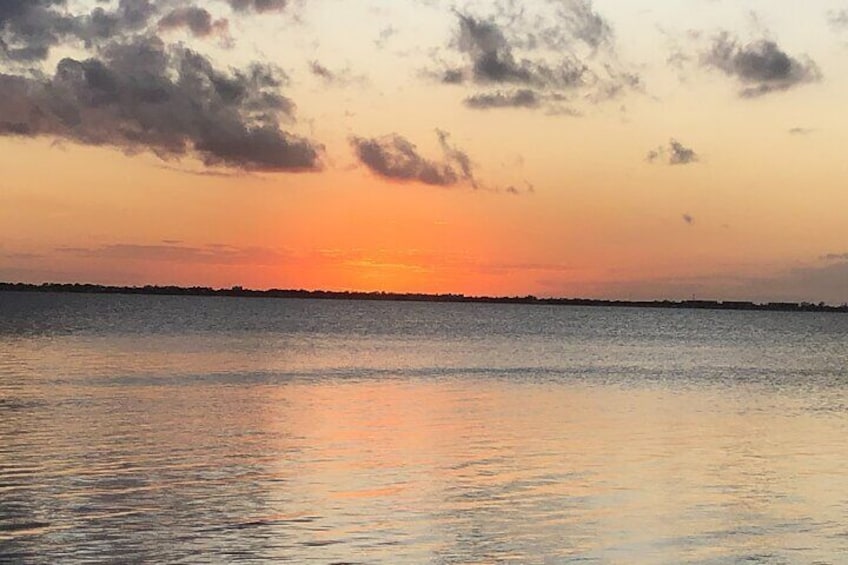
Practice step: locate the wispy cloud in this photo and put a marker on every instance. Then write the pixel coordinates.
(177, 252)
(540, 51)
(523, 98)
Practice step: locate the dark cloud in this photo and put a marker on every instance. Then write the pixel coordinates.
(547, 48)
(394, 157)
(321, 71)
(258, 5)
(523, 98)
(492, 60)
(679, 154)
(30, 28)
(688, 219)
(491, 55)
(762, 66)
(674, 154)
(134, 92)
(516, 191)
(339, 77)
(453, 76)
(585, 24)
(130, 16)
(197, 20)
(561, 26)
(173, 101)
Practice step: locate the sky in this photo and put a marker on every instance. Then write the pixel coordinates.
(609, 149)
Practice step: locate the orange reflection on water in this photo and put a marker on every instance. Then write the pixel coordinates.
(486, 470)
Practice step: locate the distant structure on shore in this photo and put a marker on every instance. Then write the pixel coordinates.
(238, 291)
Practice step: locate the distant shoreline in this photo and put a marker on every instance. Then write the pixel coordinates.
(237, 291)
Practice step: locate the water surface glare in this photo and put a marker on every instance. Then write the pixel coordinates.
(217, 430)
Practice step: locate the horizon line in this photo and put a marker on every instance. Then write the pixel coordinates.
(242, 292)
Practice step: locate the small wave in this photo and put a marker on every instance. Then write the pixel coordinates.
(23, 527)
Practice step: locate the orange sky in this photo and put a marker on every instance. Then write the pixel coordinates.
(573, 190)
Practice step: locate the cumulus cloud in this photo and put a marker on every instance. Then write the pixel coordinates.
(135, 92)
(675, 153)
(551, 47)
(522, 98)
(30, 28)
(395, 158)
(144, 95)
(761, 66)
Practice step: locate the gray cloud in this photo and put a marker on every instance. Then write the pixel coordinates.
(100, 24)
(551, 48)
(835, 257)
(30, 28)
(800, 131)
(175, 252)
(258, 5)
(585, 24)
(762, 66)
(528, 189)
(143, 95)
(339, 77)
(828, 283)
(394, 157)
(134, 92)
(674, 154)
(522, 98)
(492, 59)
(491, 55)
(838, 19)
(197, 20)
(385, 34)
(321, 71)
(688, 219)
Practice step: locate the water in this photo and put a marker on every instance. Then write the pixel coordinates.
(192, 430)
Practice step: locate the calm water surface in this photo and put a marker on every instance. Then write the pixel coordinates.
(192, 430)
